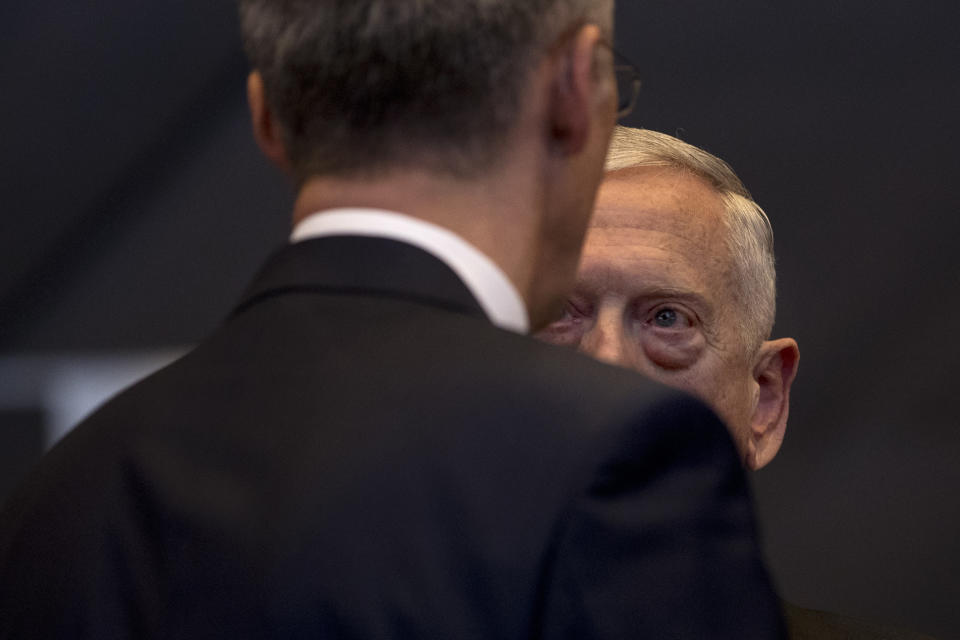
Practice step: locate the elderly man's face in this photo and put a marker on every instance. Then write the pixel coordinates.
(655, 293)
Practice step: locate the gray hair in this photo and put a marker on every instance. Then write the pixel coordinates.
(749, 237)
(362, 86)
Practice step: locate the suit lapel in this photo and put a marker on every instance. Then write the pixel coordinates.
(361, 266)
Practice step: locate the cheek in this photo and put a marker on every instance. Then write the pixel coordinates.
(729, 395)
(691, 366)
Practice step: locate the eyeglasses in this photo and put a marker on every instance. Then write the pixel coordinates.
(628, 82)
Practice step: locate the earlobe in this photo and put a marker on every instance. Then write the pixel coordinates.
(774, 373)
(266, 130)
(575, 90)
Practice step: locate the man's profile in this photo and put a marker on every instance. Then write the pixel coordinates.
(366, 448)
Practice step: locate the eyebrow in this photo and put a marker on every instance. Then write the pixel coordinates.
(635, 288)
(681, 295)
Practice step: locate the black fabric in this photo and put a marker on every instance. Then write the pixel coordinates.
(358, 453)
(363, 266)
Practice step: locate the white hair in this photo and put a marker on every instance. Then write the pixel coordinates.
(749, 237)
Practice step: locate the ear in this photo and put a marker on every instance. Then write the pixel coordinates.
(774, 372)
(577, 90)
(266, 129)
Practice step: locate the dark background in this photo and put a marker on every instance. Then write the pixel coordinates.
(136, 207)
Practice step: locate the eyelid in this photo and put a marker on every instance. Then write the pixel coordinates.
(680, 308)
(578, 306)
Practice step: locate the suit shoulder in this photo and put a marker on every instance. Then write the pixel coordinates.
(529, 362)
(567, 376)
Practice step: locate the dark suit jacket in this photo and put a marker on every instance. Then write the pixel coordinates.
(358, 453)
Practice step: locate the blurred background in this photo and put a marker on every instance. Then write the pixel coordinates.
(136, 208)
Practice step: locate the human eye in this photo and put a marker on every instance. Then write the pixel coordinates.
(567, 329)
(670, 317)
(671, 337)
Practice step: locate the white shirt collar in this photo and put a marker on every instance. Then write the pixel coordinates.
(486, 281)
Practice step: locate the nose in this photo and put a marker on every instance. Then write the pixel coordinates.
(605, 340)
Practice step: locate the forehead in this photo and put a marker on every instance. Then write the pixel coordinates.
(659, 226)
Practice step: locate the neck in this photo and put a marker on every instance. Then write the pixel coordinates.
(499, 214)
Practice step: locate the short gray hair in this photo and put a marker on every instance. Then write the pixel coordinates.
(750, 236)
(361, 86)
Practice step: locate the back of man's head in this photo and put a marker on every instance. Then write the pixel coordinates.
(361, 86)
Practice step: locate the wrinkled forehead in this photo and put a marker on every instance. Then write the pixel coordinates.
(661, 225)
(660, 206)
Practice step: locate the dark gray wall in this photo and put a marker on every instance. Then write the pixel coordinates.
(136, 206)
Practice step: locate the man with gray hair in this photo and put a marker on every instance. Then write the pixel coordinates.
(366, 448)
(677, 281)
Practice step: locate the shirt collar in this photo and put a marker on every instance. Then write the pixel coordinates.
(486, 281)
